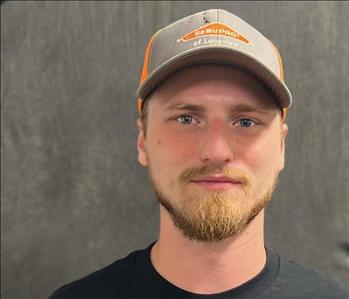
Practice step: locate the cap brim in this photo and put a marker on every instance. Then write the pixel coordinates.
(217, 55)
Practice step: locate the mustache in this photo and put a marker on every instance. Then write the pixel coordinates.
(195, 173)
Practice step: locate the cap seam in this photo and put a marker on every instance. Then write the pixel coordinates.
(217, 18)
(279, 61)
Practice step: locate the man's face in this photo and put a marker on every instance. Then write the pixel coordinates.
(214, 148)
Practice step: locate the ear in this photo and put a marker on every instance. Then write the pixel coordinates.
(142, 154)
(284, 131)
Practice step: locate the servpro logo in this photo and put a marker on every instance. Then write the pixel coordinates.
(214, 29)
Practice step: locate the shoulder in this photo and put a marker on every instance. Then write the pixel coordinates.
(303, 282)
(104, 283)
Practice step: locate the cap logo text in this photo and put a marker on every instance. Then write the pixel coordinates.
(214, 29)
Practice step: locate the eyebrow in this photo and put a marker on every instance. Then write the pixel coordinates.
(233, 108)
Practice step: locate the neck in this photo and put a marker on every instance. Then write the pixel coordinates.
(209, 267)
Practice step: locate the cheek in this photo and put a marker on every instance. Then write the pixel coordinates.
(169, 153)
(174, 149)
(168, 156)
(262, 154)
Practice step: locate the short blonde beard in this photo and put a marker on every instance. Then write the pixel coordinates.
(215, 216)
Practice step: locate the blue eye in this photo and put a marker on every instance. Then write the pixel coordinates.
(185, 119)
(245, 123)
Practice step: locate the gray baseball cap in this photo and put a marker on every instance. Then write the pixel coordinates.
(212, 36)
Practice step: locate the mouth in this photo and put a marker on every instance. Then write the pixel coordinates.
(216, 183)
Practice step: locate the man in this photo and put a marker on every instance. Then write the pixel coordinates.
(212, 109)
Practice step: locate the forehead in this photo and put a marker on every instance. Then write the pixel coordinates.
(213, 84)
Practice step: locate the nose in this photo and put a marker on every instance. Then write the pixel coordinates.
(217, 144)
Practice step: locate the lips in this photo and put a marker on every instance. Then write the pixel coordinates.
(217, 179)
(217, 183)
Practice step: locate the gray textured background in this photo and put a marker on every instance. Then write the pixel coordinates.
(74, 198)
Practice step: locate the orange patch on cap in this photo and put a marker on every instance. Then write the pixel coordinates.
(214, 29)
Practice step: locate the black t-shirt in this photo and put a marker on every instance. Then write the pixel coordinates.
(135, 277)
